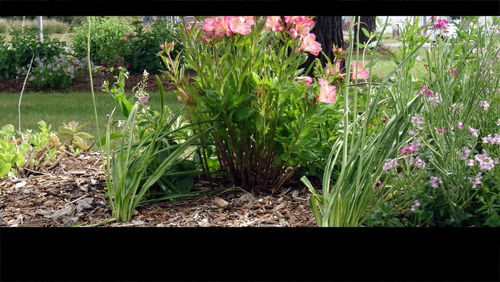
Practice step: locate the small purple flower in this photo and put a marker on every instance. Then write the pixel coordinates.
(144, 99)
(389, 164)
(417, 162)
(440, 130)
(435, 181)
(466, 152)
(484, 161)
(470, 163)
(417, 121)
(474, 132)
(475, 180)
(434, 100)
(415, 205)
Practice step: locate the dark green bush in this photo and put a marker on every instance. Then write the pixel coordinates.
(142, 51)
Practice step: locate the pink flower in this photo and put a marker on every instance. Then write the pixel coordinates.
(358, 71)
(179, 98)
(327, 93)
(239, 25)
(309, 44)
(204, 38)
(460, 125)
(125, 38)
(183, 92)
(274, 23)
(144, 99)
(294, 33)
(309, 80)
(439, 130)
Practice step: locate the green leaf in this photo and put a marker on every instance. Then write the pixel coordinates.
(4, 169)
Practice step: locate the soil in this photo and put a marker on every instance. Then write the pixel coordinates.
(72, 194)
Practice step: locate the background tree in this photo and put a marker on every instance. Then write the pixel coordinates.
(367, 22)
(328, 31)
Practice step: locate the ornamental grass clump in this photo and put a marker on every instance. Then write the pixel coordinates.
(458, 131)
(249, 82)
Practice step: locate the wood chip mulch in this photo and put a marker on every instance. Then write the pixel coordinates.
(72, 194)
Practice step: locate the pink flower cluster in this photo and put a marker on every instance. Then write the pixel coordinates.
(407, 149)
(218, 27)
(424, 90)
(484, 161)
(298, 27)
(495, 140)
(441, 23)
(440, 130)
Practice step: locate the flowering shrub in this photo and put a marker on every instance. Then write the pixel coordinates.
(57, 72)
(24, 46)
(248, 80)
(448, 171)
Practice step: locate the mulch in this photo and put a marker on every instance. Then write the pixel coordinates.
(72, 194)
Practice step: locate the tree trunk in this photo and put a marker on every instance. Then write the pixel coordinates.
(367, 22)
(328, 31)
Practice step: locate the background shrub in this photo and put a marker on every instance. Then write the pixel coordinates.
(106, 42)
(21, 49)
(142, 51)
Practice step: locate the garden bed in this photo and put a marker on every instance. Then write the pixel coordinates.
(73, 193)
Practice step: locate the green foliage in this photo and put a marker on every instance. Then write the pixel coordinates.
(25, 46)
(11, 153)
(386, 215)
(31, 150)
(78, 139)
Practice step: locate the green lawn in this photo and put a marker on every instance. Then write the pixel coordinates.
(59, 108)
